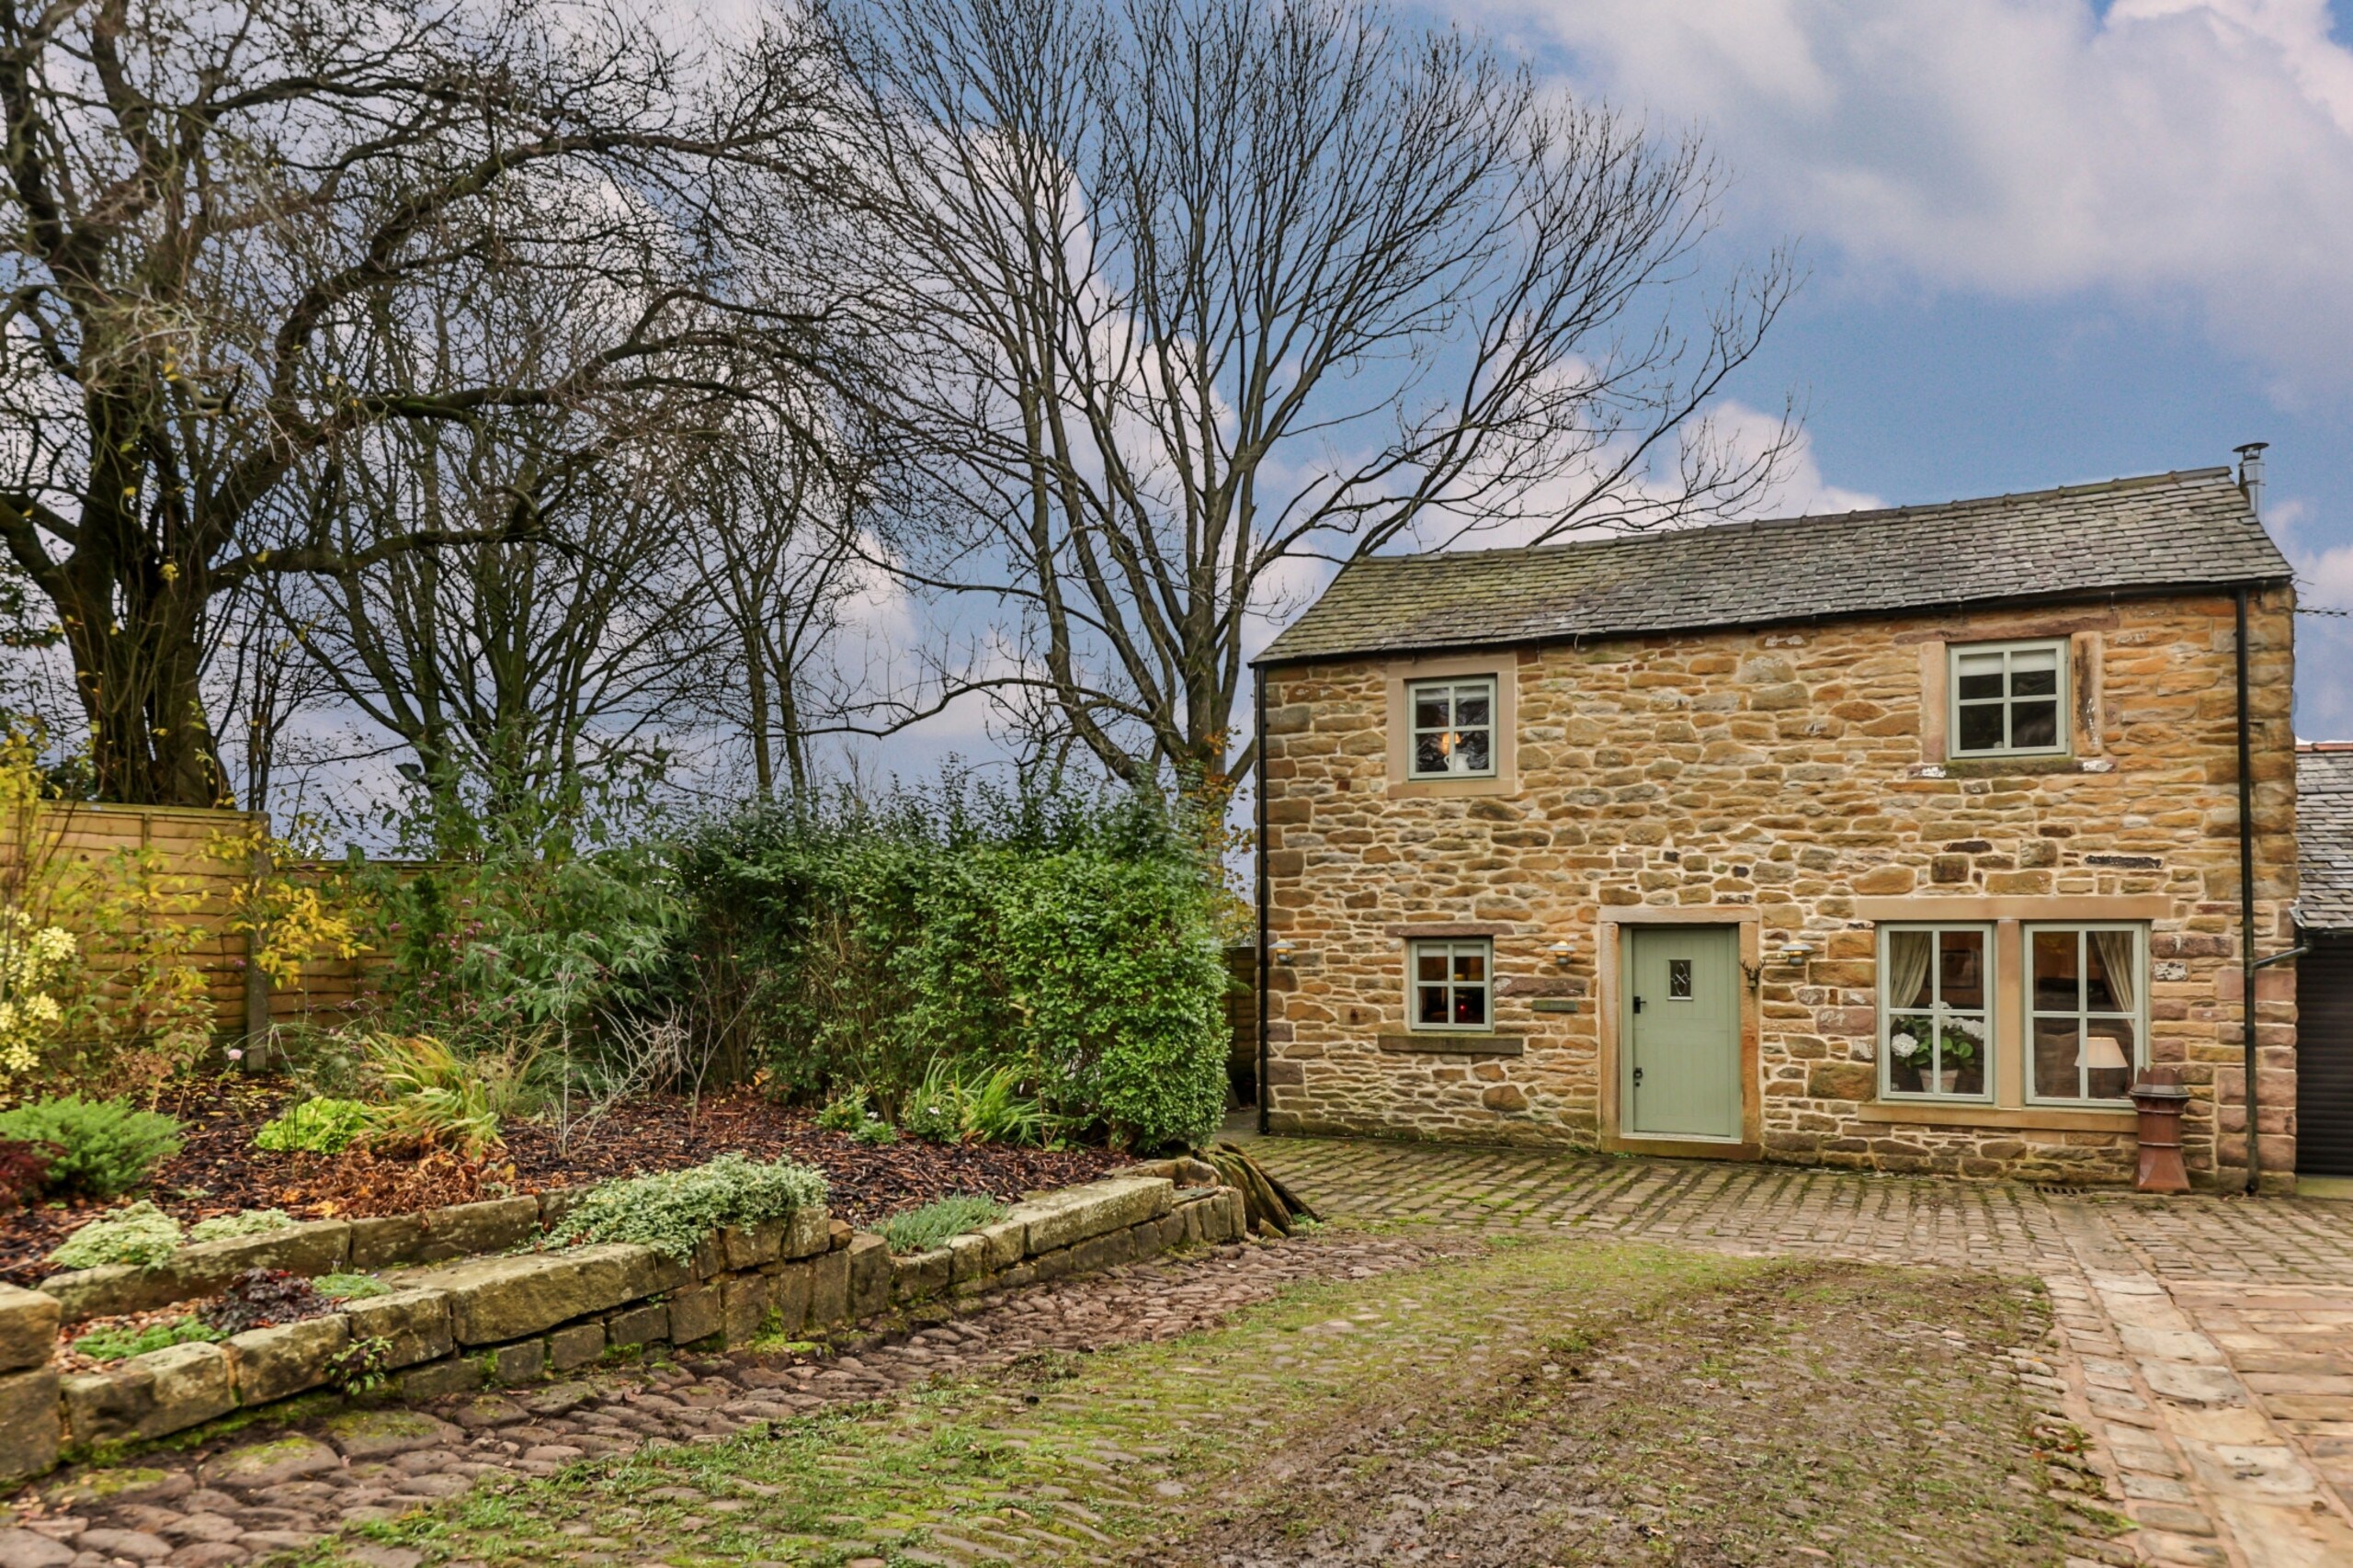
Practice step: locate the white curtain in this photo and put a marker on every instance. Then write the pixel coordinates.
(1909, 954)
(2118, 952)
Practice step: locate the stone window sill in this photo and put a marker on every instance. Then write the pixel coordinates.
(2007, 767)
(1455, 1044)
(2028, 1119)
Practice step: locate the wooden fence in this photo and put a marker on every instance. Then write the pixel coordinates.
(202, 861)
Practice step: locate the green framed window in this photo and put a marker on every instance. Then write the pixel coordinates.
(2009, 699)
(1935, 994)
(1454, 727)
(2088, 1012)
(1453, 986)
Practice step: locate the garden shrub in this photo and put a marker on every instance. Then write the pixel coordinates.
(671, 1210)
(138, 1232)
(986, 1104)
(846, 1112)
(261, 1298)
(517, 930)
(316, 1126)
(24, 1172)
(874, 1131)
(252, 1223)
(437, 1097)
(920, 1230)
(1070, 939)
(117, 1343)
(104, 1147)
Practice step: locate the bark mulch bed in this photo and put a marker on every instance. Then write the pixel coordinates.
(218, 1170)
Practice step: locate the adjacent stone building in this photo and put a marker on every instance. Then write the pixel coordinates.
(1897, 839)
(2324, 974)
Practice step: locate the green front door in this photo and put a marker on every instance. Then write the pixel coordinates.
(1680, 1074)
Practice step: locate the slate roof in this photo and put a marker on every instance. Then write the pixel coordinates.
(2325, 837)
(2121, 536)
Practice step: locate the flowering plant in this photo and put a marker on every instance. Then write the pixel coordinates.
(1959, 1042)
(32, 958)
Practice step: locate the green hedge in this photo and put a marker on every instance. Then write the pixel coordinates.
(1071, 936)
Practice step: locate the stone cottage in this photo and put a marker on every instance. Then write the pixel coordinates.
(1898, 839)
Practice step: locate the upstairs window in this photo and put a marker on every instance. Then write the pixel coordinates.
(1454, 727)
(2009, 699)
(1451, 984)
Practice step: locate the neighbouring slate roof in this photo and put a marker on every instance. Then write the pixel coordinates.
(2125, 535)
(2325, 837)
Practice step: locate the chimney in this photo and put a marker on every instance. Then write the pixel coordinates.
(2251, 476)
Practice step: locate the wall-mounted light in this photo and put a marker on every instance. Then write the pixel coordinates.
(1563, 952)
(1796, 952)
(1281, 950)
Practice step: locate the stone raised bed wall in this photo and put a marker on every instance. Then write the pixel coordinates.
(455, 1325)
(312, 1248)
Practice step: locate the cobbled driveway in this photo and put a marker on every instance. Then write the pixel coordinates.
(2208, 1341)
(1495, 1358)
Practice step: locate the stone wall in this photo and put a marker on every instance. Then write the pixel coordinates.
(510, 1317)
(1791, 780)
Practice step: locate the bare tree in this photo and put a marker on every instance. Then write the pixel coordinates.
(1208, 288)
(778, 557)
(539, 642)
(204, 197)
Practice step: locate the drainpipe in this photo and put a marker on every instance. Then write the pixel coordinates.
(2250, 458)
(1259, 732)
(2246, 900)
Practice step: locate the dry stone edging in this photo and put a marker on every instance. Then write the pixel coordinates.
(309, 1248)
(454, 1326)
(234, 1501)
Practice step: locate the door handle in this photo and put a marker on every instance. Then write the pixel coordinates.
(1638, 1004)
(1638, 1077)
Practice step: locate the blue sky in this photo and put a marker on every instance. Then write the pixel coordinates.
(2050, 241)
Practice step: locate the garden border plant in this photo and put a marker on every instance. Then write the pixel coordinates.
(1069, 940)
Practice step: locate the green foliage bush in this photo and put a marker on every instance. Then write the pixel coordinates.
(437, 1096)
(138, 1232)
(316, 1126)
(252, 1223)
(117, 1343)
(920, 1230)
(1066, 938)
(846, 1112)
(981, 1104)
(104, 1148)
(521, 928)
(671, 1210)
(875, 1132)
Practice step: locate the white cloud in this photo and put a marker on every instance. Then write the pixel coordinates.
(2197, 150)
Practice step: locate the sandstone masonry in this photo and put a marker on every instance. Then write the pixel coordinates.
(1792, 781)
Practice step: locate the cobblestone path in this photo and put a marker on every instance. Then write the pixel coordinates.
(2208, 1341)
(1772, 1209)
(1495, 1357)
(1567, 1402)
